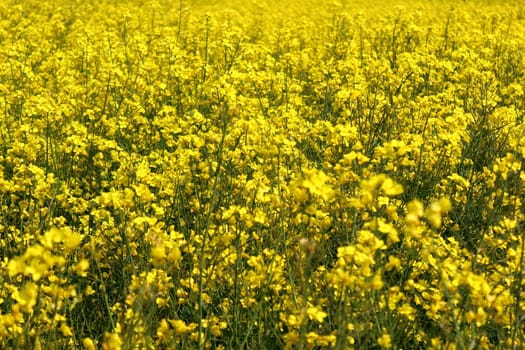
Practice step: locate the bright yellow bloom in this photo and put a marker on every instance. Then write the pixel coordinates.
(112, 341)
(391, 188)
(317, 184)
(27, 297)
(385, 341)
(316, 313)
(66, 330)
(88, 344)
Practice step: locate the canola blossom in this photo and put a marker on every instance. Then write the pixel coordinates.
(262, 175)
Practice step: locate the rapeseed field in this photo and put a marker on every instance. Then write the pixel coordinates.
(204, 174)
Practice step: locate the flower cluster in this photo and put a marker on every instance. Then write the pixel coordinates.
(230, 175)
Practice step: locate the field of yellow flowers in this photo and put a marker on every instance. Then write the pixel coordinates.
(209, 174)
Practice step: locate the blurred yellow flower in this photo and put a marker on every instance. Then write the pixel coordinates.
(26, 297)
(316, 313)
(385, 341)
(391, 188)
(317, 183)
(88, 344)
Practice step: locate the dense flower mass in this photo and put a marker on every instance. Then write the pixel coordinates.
(262, 175)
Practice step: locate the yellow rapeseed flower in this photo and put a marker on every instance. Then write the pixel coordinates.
(391, 188)
(88, 344)
(26, 297)
(316, 313)
(385, 341)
